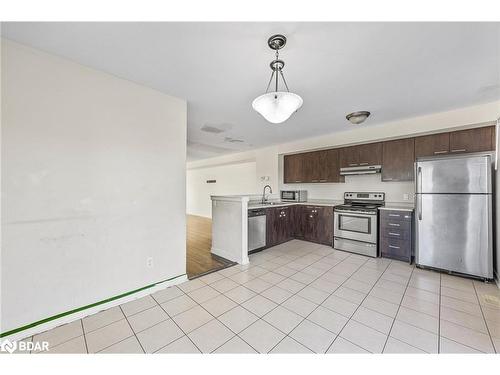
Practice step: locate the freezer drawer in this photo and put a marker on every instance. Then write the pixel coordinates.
(454, 233)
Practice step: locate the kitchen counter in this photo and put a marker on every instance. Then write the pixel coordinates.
(310, 202)
(400, 206)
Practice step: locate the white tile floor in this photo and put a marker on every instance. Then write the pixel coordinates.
(299, 297)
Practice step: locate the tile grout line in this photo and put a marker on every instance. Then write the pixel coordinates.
(359, 305)
(171, 317)
(336, 334)
(397, 312)
(126, 318)
(484, 319)
(277, 305)
(84, 337)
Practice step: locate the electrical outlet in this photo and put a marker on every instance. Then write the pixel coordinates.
(149, 262)
(406, 197)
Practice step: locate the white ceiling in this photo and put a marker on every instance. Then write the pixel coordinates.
(394, 70)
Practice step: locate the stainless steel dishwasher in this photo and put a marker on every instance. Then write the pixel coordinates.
(256, 229)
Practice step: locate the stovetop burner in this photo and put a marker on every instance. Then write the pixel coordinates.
(362, 202)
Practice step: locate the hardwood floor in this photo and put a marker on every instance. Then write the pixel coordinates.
(199, 241)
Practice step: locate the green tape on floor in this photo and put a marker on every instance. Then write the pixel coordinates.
(31, 325)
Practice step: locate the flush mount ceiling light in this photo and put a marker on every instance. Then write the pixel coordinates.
(357, 117)
(277, 106)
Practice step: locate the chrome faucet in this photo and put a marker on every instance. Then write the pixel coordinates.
(264, 199)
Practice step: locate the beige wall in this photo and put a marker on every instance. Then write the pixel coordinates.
(269, 163)
(231, 179)
(93, 184)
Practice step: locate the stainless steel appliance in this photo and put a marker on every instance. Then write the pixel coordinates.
(256, 229)
(294, 195)
(454, 214)
(355, 223)
(363, 168)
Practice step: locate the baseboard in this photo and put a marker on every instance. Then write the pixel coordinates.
(229, 256)
(70, 317)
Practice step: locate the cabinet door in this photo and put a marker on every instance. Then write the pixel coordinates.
(296, 221)
(293, 168)
(370, 154)
(324, 225)
(333, 166)
(472, 140)
(397, 160)
(285, 228)
(272, 227)
(349, 157)
(430, 145)
(309, 223)
(310, 163)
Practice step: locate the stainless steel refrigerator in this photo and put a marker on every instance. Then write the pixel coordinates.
(453, 214)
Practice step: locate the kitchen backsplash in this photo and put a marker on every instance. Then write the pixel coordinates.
(394, 191)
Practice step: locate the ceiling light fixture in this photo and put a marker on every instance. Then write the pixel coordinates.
(357, 118)
(277, 106)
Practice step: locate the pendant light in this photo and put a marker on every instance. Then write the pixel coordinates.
(277, 107)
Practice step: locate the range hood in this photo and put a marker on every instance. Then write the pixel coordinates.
(363, 169)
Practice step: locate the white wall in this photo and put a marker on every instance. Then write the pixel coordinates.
(232, 179)
(93, 183)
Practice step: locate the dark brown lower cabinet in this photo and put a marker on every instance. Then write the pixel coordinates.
(396, 235)
(324, 225)
(309, 223)
(314, 223)
(278, 226)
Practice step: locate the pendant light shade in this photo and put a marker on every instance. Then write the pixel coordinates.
(277, 107)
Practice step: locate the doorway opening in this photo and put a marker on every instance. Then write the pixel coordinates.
(200, 260)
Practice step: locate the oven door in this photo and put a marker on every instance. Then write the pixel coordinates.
(356, 226)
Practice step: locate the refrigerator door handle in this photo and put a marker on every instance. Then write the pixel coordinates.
(419, 179)
(419, 190)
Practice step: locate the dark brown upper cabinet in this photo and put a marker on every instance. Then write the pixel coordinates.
(349, 157)
(333, 166)
(397, 160)
(430, 145)
(355, 156)
(472, 140)
(293, 168)
(370, 154)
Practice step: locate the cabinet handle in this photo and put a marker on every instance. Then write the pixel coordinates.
(314, 180)
(353, 164)
(363, 163)
(388, 179)
(394, 234)
(394, 225)
(322, 180)
(310, 216)
(394, 247)
(459, 150)
(440, 152)
(394, 215)
(298, 181)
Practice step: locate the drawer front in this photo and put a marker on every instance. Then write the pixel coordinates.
(395, 248)
(395, 225)
(396, 232)
(393, 216)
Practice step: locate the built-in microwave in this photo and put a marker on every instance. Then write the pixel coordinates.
(294, 195)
